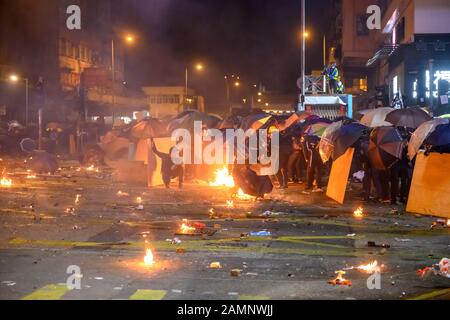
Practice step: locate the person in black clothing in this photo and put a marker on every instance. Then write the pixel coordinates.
(169, 170)
(285, 152)
(296, 162)
(400, 173)
(314, 162)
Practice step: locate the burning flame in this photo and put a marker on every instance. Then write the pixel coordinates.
(340, 280)
(6, 183)
(139, 200)
(230, 204)
(222, 178)
(185, 228)
(242, 196)
(148, 259)
(77, 199)
(92, 168)
(122, 194)
(358, 213)
(370, 268)
(448, 223)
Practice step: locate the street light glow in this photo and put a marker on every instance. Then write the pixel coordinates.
(199, 67)
(237, 84)
(130, 39)
(14, 78)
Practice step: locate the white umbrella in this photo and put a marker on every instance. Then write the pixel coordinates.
(376, 118)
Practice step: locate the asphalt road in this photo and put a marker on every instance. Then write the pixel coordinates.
(43, 232)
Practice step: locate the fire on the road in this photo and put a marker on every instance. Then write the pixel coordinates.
(6, 183)
(358, 213)
(340, 280)
(222, 178)
(149, 259)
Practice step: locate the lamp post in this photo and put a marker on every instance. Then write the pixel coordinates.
(130, 40)
(302, 99)
(15, 78)
(198, 67)
(236, 84)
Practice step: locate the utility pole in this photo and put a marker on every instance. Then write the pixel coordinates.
(113, 70)
(302, 99)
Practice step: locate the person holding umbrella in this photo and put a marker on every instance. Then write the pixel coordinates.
(314, 163)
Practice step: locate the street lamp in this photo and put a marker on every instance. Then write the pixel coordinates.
(130, 39)
(15, 78)
(198, 67)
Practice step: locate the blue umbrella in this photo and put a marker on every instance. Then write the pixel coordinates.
(440, 136)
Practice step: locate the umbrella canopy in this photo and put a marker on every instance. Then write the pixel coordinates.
(255, 121)
(376, 118)
(28, 145)
(148, 128)
(316, 129)
(445, 116)
(408, 118)
(346, 137)
(250, 182)
(326, 144)
(230, 123)
(440, 136)
(187, 121)
(213, 121)
(385, 147)
(421, 133)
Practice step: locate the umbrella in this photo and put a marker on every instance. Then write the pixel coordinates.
(421, 133)
(376, 118)
(255, 121)
(187, 121)
(230, 123)
(346, 137)
(440, 136)
(213, 121)
(28, 145)
(445, 116)
(316, 129)
(42, 162)
(408, 118)
(385, 147)
(250, 182)
(326, 144)
(148, 128)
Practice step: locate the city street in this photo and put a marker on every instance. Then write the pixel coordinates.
(46, 228)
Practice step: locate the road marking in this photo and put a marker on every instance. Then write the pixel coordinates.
(431, 295)
(49, 292)
(252, 298)
(148, 295)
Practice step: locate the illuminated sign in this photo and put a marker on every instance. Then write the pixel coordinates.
(439, 75)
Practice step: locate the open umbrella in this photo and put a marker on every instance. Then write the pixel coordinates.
(421, 133)
(187, 121)
(408, 118)
(148, 128)
(250, 182)
(385, 147)
(255, 121)
(231, 122)
(346, 137)
(316, 129)
(376, 118)
(440, 136)
(326, 144)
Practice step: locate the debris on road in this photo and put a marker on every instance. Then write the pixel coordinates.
(442, 269)
(373, 244)
(263, 233)
(215, 265)
(235, 272)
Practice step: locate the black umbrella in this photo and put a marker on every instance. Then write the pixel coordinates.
(385, 147)
(255, 121)
(409, 117)
(230, 123)
(346, 137)
(250, 182)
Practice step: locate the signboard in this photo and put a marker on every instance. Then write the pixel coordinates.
(340, 171)
(430, 186)
(97, 77)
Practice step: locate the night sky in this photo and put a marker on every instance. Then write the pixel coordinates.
(257, 39)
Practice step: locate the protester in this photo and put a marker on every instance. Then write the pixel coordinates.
(169, 169)
(296, 162)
